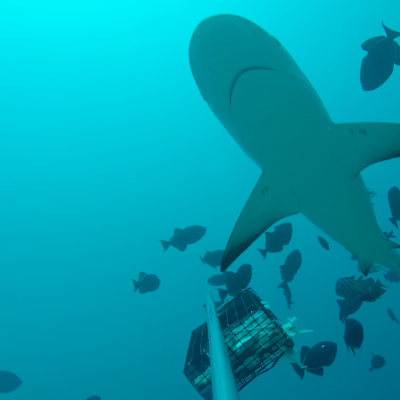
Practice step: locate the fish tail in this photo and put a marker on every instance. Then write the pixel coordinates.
(371, 369)
(263, 252)
(223, 294)
(202, 259)
(394, 222)
(390, 33)
(135, 284)
(165, 244)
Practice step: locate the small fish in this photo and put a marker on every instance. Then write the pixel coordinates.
(353, 334)
(392, 276)
(236, 282)
(183, 237)
(287, 293)
(222, 279)
(347, 307)
(321, 355)
(394, 203)
(378, 64)
(377, 362)
(274, 241)
(213, 258)
(323, 242)
(391, 315)
(146, 283)
(365, 290)
(389, 235)
(344, 287)
(9, 382)
(291, 266)
(368, 289)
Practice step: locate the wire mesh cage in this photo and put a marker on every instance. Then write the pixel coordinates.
(254, 338)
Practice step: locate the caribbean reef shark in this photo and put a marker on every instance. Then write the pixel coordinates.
(310, 164)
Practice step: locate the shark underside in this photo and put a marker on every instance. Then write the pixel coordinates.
(309, 164)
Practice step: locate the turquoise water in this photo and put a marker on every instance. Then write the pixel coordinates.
(106, 146)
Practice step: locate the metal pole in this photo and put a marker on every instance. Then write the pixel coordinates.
(222, 380)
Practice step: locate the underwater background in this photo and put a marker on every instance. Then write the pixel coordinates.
(106, 146)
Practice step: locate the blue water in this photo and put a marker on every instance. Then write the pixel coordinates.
(106, 146)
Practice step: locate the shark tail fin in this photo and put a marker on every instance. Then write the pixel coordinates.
(394, 222)
(165, 244)
(390, 33)
(135, 285)
(263, 252)
(202, 259)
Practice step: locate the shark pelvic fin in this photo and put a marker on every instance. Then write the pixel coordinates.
(266, 205)
(363, 144)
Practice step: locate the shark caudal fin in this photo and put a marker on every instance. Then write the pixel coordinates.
(390, 33)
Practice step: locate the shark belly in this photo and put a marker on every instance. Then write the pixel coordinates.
(309, 164)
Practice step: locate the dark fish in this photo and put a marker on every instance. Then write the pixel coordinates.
(291, 266)
(146, 283)
(213, 258)
(274, 241)
(368, 289)
(299, 371)
(348, 307)
(321, 355)
(323, 242)
(391, 315)
(236, 282)
(389, 235)
(344, 287)
(394, 203)
(9, 382)
(377, 362)
(183, 237)
(378, 64)
(287, 293)
(392, 276)
(222, 279)
(93, 398)
(353, 334)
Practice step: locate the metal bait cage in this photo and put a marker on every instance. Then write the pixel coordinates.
(254, 339)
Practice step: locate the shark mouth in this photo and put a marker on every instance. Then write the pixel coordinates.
(240, 73)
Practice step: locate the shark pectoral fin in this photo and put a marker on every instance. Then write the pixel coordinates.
(364, 144)
(397, 59)
(266, 205)
(368, 44)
